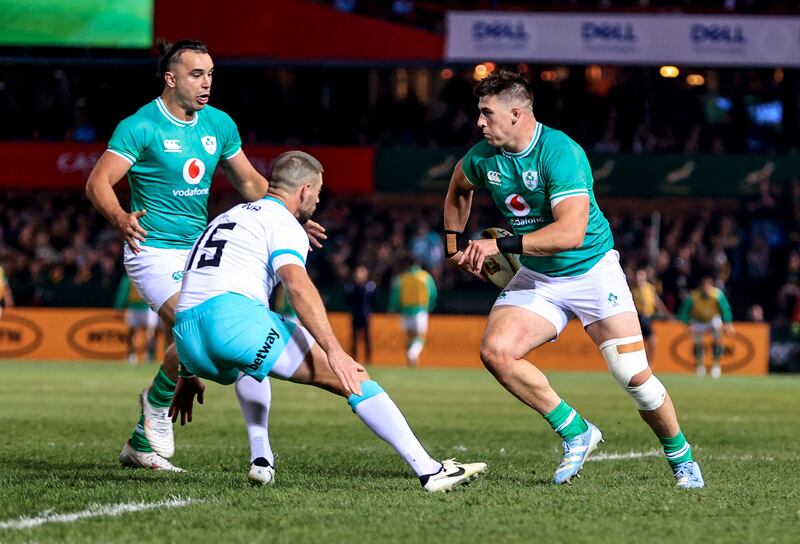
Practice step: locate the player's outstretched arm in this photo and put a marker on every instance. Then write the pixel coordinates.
(108, 171)
(306, 301)
(244, 177)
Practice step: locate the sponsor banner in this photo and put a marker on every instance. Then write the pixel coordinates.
(101, 334)
(615, 174)
(704, 40)
(348, 170)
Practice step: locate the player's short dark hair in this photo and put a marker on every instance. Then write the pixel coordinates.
(171, 53)
(505, 83)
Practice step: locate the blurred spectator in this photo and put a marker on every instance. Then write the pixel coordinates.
(6, 296)
(648, 303)
(359, 296)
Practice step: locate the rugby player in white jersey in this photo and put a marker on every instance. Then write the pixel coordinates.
(224, 325)
(169, 150)
(542, 182)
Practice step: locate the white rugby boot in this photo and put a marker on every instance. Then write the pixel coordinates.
(260, 472)
(131, 458)
(157, 427)
(452, 474)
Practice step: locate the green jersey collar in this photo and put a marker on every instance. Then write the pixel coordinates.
(171, 118)
(537, 132)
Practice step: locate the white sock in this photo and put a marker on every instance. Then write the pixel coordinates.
(415, 348)
(254, 399)
(384, 418)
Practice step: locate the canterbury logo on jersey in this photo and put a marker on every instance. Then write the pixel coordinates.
(193, 170)
(493, 177)
(172, 146)
(517, 205)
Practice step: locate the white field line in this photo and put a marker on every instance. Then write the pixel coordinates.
(615, 456)
(94, 511)
(603, 456)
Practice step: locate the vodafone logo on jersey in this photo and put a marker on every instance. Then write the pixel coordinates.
(517, 205)
(193, 170)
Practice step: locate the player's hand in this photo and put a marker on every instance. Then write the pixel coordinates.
(183, 401)
(347, 370)
(315, 233)
(456, 257)
(477, 251)
(128, 225)
(729, 329)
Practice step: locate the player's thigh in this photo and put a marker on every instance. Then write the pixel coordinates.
(513, 331)
(156, 273)
(620, 325)
(167, 310)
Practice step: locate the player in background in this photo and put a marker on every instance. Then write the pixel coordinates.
(6, 296)
(169, 150)
(706, 310)
(542, 182)
(413, 296)
(224, 325)
(139, 317)
(648, 303)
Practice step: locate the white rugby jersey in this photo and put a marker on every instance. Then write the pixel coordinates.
(240, 252)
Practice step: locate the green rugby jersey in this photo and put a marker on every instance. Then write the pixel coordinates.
(526, 186)
(172, 162)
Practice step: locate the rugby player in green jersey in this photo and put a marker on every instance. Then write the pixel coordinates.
(169, 150)
(540, 179)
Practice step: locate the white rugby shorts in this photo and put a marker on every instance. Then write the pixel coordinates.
(599, 293)
(714, 326)
(156, 272)
(417, 323)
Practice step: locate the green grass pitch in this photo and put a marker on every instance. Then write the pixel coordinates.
(63, 425)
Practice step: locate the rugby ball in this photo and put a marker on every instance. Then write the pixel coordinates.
(500, 268)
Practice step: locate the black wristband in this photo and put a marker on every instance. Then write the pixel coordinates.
(452, 241)
(510, 244)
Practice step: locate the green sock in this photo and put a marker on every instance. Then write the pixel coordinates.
(138, 440)
(566, 421)
(676, 448)
(162, 391)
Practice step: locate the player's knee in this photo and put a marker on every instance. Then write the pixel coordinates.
(627, 362)
(493, 355)
(369, 389)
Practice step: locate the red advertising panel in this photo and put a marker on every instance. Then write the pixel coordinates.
(349, 170)
(292, 30)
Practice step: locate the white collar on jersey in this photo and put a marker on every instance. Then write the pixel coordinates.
(171, 118)
(537, 132)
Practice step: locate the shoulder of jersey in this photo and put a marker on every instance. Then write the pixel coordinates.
(552, 136)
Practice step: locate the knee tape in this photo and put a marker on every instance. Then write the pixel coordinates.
(369, 388)
(626, 358)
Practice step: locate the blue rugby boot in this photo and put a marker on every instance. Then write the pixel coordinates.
(688, 475)
(576, 451)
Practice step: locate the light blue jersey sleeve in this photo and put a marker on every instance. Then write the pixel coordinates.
(130, 139)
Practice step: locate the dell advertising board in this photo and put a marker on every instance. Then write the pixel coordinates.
(701, 40)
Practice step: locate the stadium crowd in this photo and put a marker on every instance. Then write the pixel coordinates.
(605, 108)
(60, 243)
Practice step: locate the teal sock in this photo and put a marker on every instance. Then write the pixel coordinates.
(566, 421)
(162, 391)
(138, 440)
(676, 448)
